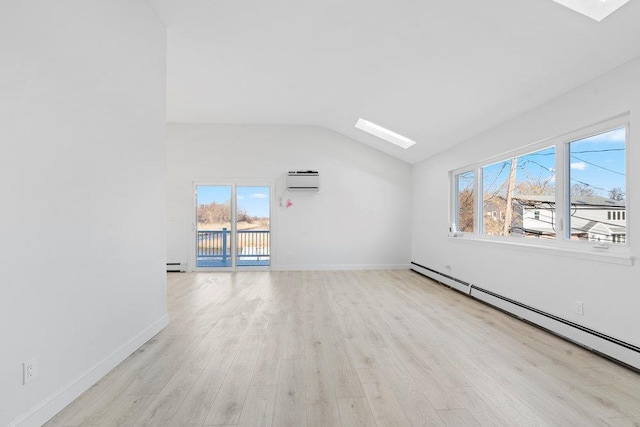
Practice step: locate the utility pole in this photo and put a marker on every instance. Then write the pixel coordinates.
(511, 187)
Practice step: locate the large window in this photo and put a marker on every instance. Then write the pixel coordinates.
(567, 189)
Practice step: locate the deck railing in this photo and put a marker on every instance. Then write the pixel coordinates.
(251, 244)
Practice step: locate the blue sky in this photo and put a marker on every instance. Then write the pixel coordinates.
(255, 200)
(598, 161)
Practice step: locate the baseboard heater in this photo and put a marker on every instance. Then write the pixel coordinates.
(175, 267)
(612, 348)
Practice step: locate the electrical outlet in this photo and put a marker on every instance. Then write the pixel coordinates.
(579, 308)
(28, 371)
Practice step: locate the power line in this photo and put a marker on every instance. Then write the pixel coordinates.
(537, 164)
(598, 151)
(598, 166)
(590, 186)
(540, 154)
(603, 150)
(504, 165)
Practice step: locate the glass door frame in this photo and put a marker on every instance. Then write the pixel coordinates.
(193, 228)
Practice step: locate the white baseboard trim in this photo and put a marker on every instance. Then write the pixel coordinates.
(53, 404)
(339, 267)
(611, 347)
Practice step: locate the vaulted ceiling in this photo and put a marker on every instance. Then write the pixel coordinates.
(438, 72)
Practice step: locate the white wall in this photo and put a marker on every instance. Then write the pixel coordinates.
(545, 281)
(359, 219)
(82, 187)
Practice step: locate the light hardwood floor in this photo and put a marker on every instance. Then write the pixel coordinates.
(363, 348)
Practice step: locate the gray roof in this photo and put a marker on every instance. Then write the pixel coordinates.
(589, 225)
(576, 201)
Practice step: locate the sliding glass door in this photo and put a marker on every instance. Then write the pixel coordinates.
(233, 226)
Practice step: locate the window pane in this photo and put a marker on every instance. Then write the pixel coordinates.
(253, 225)
(597, 187)
(519, 196)
(464, 196)
(213, 226)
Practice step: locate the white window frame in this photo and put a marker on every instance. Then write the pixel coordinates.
(455, 205)
(616, 253)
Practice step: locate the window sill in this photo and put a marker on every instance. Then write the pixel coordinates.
(589, 254)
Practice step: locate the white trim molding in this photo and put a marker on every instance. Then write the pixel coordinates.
(339, 267)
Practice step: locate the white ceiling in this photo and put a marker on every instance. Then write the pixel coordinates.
(438, 72)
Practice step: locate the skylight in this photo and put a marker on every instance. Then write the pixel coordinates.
(594, 9)
(384, 133)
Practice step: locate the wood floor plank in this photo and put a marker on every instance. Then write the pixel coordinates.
(196, 405)
(291, 401)
(346, 382)
(293, 347)
(323, 413)
(218, 336)
(613, 397)
(157, 372)
(384, 405)
(457, 417)
(227, 406)
(426, 380)
(514, 408)
(128, 411)
(166, 403)
(623, 422)
(318, 374)
(258, 407)
(414, 402)
(481, 408)
(268, 365)
(355, 412)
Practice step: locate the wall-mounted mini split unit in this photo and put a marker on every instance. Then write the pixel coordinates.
(303, 180)
(176, 267)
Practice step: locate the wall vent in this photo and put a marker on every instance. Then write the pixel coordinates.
(175, 267)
